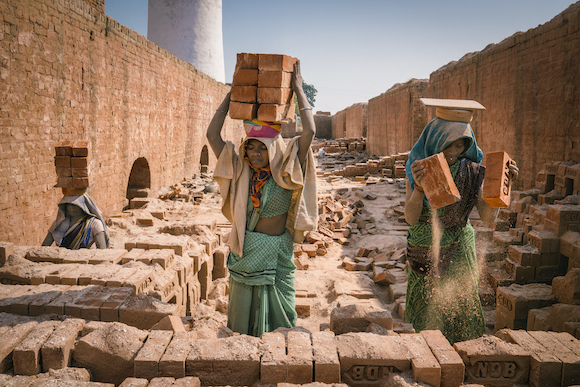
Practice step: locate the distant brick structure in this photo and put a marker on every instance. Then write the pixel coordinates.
(396, 118)
(77, 74)
(339, 124)
(323, 122)
(356, 120)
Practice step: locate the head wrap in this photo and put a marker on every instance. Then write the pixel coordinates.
(437, 135)
(256, 128)
(62, 222)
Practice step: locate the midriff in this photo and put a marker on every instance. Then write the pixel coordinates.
(275, 225)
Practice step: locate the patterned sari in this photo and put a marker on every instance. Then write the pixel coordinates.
(442, 289)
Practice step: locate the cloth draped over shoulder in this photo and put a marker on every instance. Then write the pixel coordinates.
(78, 236)
(233, 174)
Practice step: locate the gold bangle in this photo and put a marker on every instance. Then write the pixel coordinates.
(306, 108)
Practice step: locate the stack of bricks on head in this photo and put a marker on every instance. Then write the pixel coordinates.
(261, 88)
(72, 163)
(441, 191)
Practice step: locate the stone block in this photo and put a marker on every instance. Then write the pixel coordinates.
(172, 362)
(146, 363)
(58, 348)
(26, 356)
(496, 186)
(10, 340)
(491, 361)
(452, 367)
(366, 358)
(325, 356)
(219, 361)
(245, 77)
(438, 183)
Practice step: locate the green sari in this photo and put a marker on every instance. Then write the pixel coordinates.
(442, 290)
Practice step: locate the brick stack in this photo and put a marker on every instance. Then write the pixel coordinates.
(496, 186)
(72, 163)
(261, 88)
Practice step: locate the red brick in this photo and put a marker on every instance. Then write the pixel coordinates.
(570, 360)
(274, 95)
(57, 350)
(149, 356)
(438, 183)
(245, 77)
(62, 161)
(172, 362)
(79, 162)
(81, 148)
(274, 113)
(274, 62)
(10, 340)
(325, 356)
(247, 61)
(246, 94)
(274, 79)
(64, 148)
(496, 186)
(26, 356)
(243, 111)
(452, 367)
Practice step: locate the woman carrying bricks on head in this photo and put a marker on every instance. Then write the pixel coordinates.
(443, 276)
(79, 224)
(269, 195)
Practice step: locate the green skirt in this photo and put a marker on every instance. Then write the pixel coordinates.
(262, 293)
(451, 303)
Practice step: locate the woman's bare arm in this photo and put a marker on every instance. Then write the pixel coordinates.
(214, 136)
(414, 197)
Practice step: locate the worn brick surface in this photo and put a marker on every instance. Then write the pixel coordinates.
(426, 368)
(219, 361)
(366, 358)
(10, 339)
(438, 183)
(26, 356)
(147, 360)
(57, 350)
(172, 362)
(452, 367)
(325, 355)
(570, 359)
(545, 368)
(491, 361)
(75, 62)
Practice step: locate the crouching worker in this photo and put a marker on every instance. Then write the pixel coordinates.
(269, 196)
(79, 225)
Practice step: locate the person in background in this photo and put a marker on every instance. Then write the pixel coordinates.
(269, 195)
(79, 225)
(443, 276)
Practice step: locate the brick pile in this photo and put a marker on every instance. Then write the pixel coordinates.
(261, 88)
(72, 163)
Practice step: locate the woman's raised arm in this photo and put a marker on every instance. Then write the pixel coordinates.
(214, 130)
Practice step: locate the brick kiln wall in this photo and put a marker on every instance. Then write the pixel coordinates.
(356, 120)
(338, 124)
(323, 124)
(530, 86)
(99, 5)
(396, 118)
(69, 72)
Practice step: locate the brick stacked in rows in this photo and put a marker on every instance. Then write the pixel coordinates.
(72, 163)
(261, 88)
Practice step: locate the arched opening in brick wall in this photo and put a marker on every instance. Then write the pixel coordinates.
(139, 179)
(204, 159)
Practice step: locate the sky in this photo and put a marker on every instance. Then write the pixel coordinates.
(352, 51)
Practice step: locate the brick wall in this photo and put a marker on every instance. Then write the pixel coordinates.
(396, 118)
(69, 72)
(530, 86)
(356, 120)
(99, 5)
(323, 124)
(338, 124)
